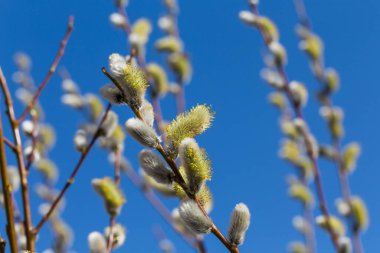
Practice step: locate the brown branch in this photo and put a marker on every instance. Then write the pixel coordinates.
(179, 179)
(70, 181)
(7, 192)
(160, 207)
(336, 142)
(180, 95)
(10, 144)
(50, 72)
(30, 240)
(308, 143)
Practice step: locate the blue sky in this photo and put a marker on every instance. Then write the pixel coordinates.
(244, 141)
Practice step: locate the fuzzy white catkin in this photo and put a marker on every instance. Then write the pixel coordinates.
(112, 94)
(118, 20)
(97, 243)
(153, 166)
(117, 65)
(248, 17)
(193, 217)
(109, 124)
(119, 235)
(72, 100)
(28, 127)
(80, 140)
(69, 86)
(146, 110)
(14, 178)
(240, 220)
(141, 132)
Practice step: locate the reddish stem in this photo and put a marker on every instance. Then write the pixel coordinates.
(50, 72)
(70, 181)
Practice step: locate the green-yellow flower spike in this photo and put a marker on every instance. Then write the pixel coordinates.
(204, 195)
(290, 151)
(48, 169)
(195, 163)
(160, 80)
(132, 80)
(263, 23)
(46, 135)
(336, 225)
(188, 125)
(350, 156)
(313, 46)
(181, 66)
(142, 29)
(278, 100)
(302, 193)
(169, 44)
(297, 247)
(360, 213)
(289, 129)
(95, 106)
(269, 28)
(136, 80)
(112, 196)
(332, 79)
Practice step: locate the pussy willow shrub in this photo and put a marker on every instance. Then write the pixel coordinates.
(172, 163)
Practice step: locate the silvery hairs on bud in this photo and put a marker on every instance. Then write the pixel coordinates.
(142, 133)
(153, 166)
(118, 233)
(97, 242)
(112, 94)
(193, 217)
(240, 220)
(109, 124)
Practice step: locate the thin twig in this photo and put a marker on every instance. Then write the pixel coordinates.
(10, 144)
(180, 95)
(336, 142)
(30, 240)
(142, 63)
(113, 217)
(180, 180)
(70, 181)
(50, 72)
(7, 193)
(308, 143)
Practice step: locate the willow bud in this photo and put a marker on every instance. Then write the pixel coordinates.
(299, 93)
(169, 44)
(118, 233)
(153, 166)
(142, 133)
(109, 124)
(112, 94)
(240, 220)
(193, 217)
(112, 196)
(97, 243)
(333, 222)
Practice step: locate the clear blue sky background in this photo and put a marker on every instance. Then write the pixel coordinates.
(244, 141)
